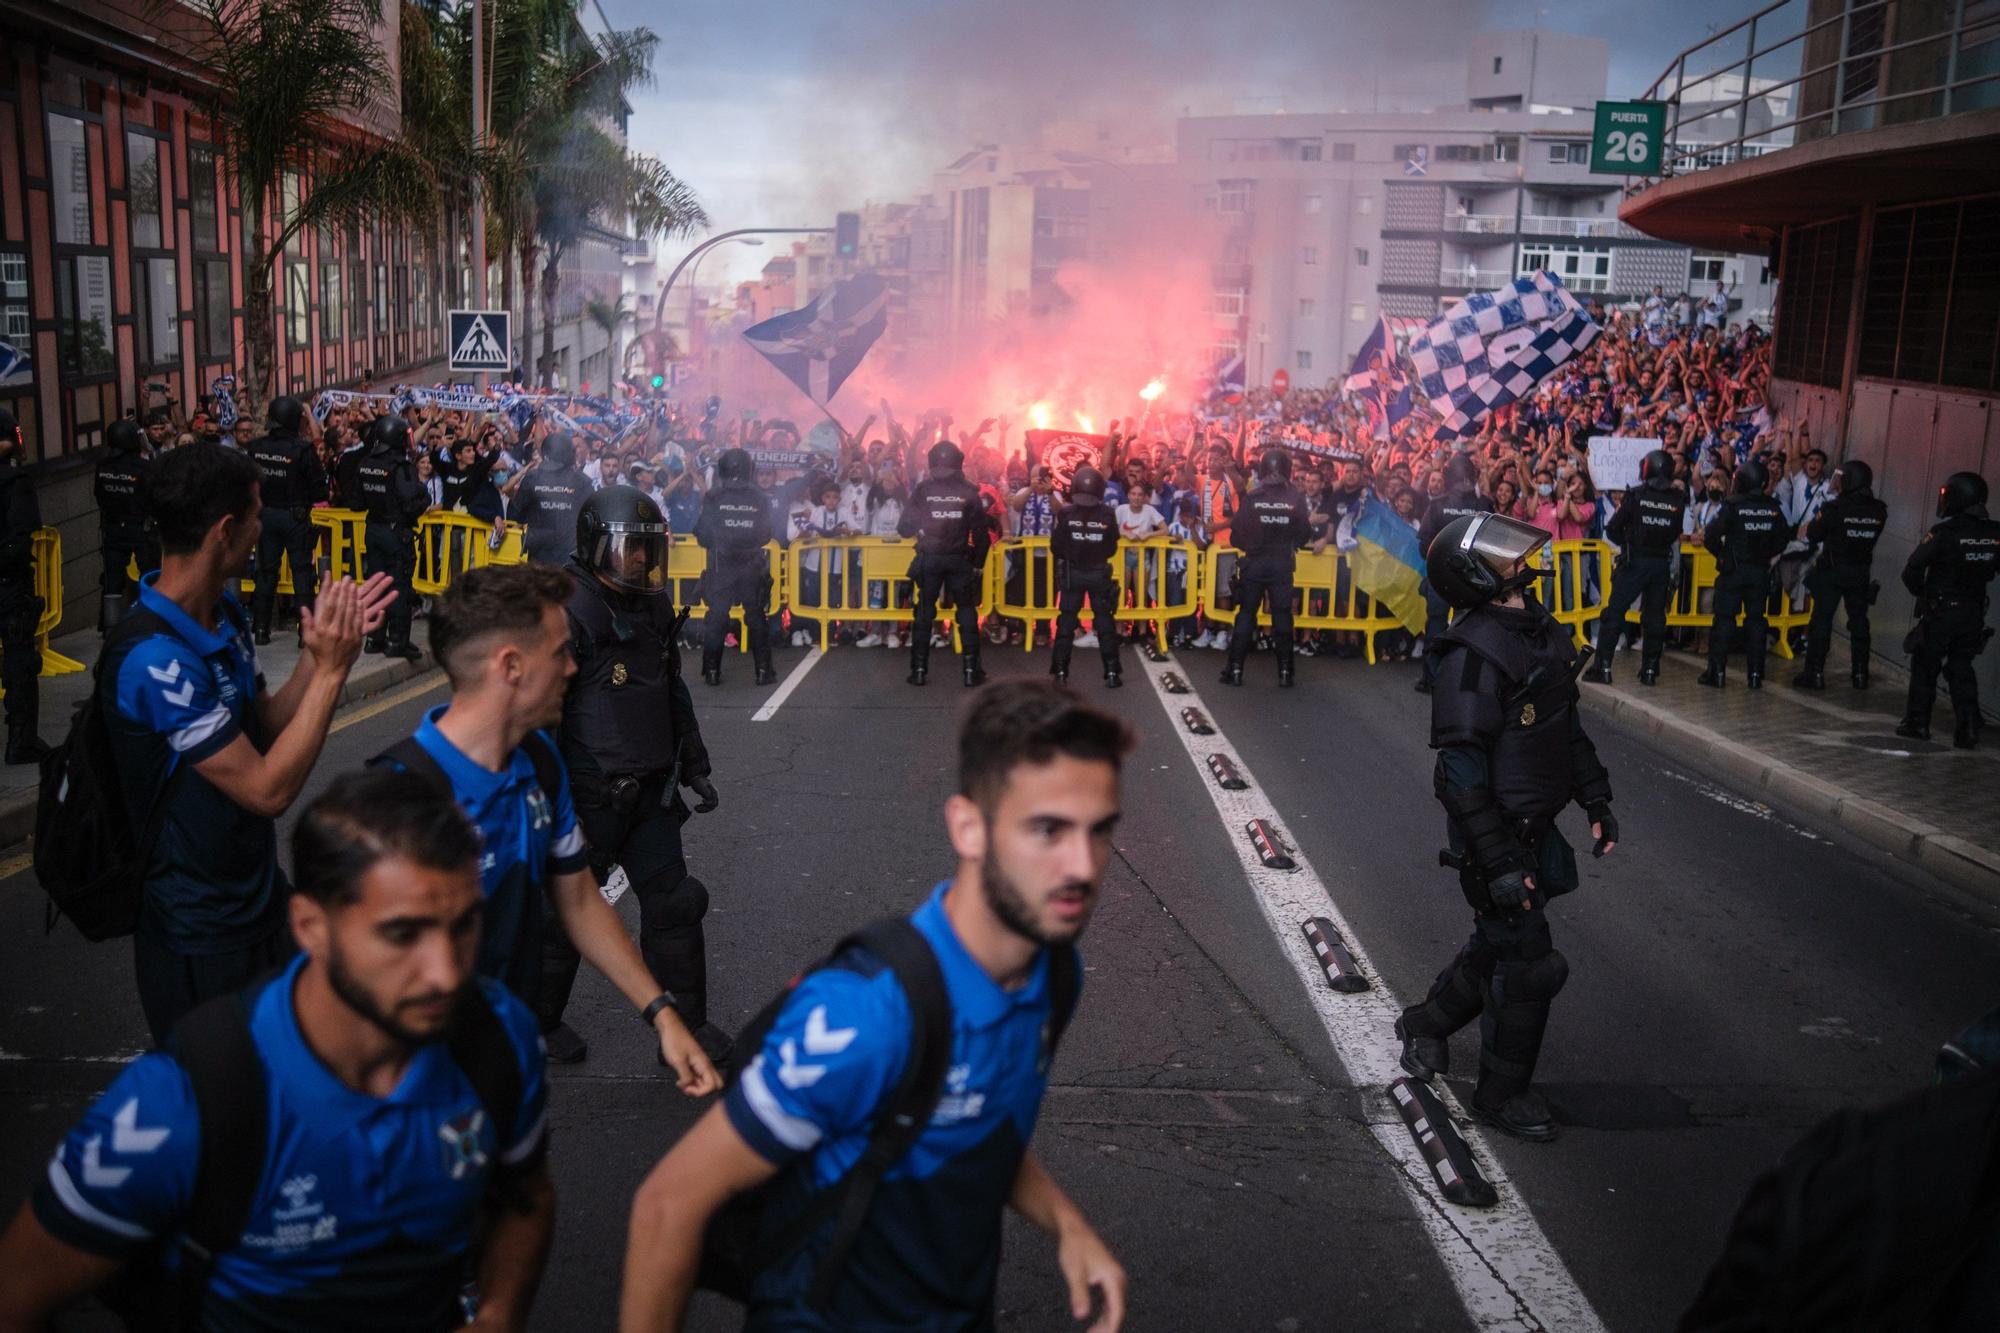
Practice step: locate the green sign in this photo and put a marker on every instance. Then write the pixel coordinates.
(1626, 141)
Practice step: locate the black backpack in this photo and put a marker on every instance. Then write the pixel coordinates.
(89, 854)
(732, 1253)
(213, 1045)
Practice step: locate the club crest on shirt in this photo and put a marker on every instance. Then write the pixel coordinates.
(463, 1145)
(540, 816)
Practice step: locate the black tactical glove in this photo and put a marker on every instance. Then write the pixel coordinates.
(705, 789)
(1600, 815)
(1509, 890)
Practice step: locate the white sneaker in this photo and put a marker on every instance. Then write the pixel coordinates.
(801, 639)
(869, 641)
(939, 641)
(1206, 639)
(1087, 639)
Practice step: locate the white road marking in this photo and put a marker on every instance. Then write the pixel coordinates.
(1507, 1273)
(790, 683)
(1755, 809)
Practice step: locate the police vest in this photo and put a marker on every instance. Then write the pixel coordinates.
(944, 515)
(1850, 527)
(280, 456)
(1756, 532)
(735, 521)
(1656, 520)
(1271, 522)
(619, 709)
(120, 488)
(1968, 559)
(375, 479)
(1505, 678)
(552, 520)
(1086, 536)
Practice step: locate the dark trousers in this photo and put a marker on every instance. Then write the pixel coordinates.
(1259, 580)
(646, 840)
(1080, 582)
(1947, 640)
(937, 575)
(736, 580)
(1647, 580)
(171, 983)
(1745, 589)
(120, 550)
(288, 535)
(392, 551)
(20, 651)
(1831, 589)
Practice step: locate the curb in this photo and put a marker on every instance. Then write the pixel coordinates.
(17, 810)
(1963, 864)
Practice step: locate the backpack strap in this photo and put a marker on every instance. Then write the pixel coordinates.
(484, 1053)
(1065, 984)
(548, 765)
(214, 1046)
(410, 756)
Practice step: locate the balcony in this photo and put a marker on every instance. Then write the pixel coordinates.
(1534, 224)
(1457, 277)
(1479, 224)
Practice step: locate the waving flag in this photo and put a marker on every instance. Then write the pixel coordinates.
(14, 362)
(1374, 362)
(1228, 382)
(1382, 552)
(819, 346)
(1494, 347)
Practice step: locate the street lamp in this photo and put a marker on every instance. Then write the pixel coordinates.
(660, 313)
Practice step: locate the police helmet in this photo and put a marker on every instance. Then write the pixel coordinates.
(123, 436)
(621, 536)
(1086, 486)
(1657, 467)
(1749, 478)
(392, 430)
(1855, 476)
(734, 467)
(1960, 492)
(1276, 464)
(947, 460)
(286, 413)
(1472, 560)
(559, 448)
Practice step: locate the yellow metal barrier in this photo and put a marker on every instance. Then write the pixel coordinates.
(1322, 579)
(46, 548)
(448, 544)
(1698, 575)
(1583, 581)
(852, 574)
(687, 561)
(1139, 571)
(345, 540)
(1039, 593)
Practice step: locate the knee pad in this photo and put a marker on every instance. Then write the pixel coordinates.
(1536, 981)
(681, 906)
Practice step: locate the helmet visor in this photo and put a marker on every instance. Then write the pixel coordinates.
(632, 555)
(1502, 542)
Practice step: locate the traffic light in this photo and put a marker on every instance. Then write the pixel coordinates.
(846, 234)
(659, 381)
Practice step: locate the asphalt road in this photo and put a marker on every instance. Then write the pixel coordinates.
(1736, 973)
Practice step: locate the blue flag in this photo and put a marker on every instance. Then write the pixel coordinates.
(818, 347)
(14, 361)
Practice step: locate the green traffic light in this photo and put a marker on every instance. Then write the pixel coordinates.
(659, 381)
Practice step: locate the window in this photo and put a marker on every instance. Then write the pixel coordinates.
(1361, 256)
(1816, 289)
(1931, 299)
(1315, 202)
(14, 308)
(1305, 360)
(1364, 205)
(1308, 254)
(69, 181)
(142, 189)
(1357, 312)
(1343, 152)
(380, 307)
(1405, 152)
(1232, 196)
(211, 304)
(83, 301)
(1458, 152)
(1306, 307)
(329, 307)
(1228, 304)
(1311, 151)
(201, 195)
(1507, 148)
(290, 191)
(401, 300)
(1559, 153)
(1496, 64)
(298, 304)
(156, 312)
(1579, 268)
(1705, 270)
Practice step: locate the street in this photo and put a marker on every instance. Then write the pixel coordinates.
(1737, 973)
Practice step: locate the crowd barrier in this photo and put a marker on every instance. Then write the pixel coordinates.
(449, 544)
(1327, 598)
(1691, 607)
(47, 553)
(687, 562)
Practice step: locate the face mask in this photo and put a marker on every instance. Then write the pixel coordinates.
(1546, 488)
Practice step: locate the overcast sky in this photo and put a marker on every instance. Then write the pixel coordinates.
(780, 112)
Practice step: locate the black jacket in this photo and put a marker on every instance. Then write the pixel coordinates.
(1847, 528)
(948, 518)
(1956, 559)
(20, 516)
(1649, 521)
(293, 478)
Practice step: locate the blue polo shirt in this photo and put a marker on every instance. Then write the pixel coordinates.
(367, 1205)
(182, 694)
(530, 838)
(930, 1251)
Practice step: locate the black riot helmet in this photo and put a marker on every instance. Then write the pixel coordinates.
(1656, 469)
(947, 460)
(1749, 479)
(1960, 492)
(1276, 465)
(393, 431)
(734, 467)
(286, 413)
(1855, 477)
(1472, 559)
(124, 436)
(1086, 486)
(559, 448)
(621, 536)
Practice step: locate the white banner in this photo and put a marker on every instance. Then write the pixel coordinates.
(1615, 459)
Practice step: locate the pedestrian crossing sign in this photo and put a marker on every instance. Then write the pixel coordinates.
(479, 340)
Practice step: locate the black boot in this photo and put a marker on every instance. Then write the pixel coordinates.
(711, 667)
(1916, 729)
(1455, 999)
(1059, 660)
(1113, 678)
(1812, 678)
(1423, 685)
(1715, 677)
(1511, 1045)
(376, 643)
(1649, 671)
(1287, 675)
(1600, 670)
(564, 1046)
(920, 658)
(1964, 737)
(766, 674)
(262, 633)
(970, 670)
(1232, 674)
(23, 745)
(404, 649)
(1755, 680)
(1860, 679)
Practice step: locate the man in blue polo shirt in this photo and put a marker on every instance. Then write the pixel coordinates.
(193, 725)
(502, 636)
(1032, 822)
(381, 1162)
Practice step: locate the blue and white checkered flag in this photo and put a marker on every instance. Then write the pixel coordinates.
(1495, 347)
(14, 362)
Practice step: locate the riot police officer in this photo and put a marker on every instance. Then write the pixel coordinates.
(1745, 536)
(20, 608)
(1460, 498)
(631, 742)
(1274, 522)
(1084, 540)
(121, 515)
(1647, 528)
(1512, 753)
(733, 527)
(954, 531)
(549, 499)
(380, 479)
(1948, 574)
(1846, 528)
(293, 480)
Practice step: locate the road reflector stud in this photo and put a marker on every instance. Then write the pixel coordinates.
(1152, 651)
(1196, 722)
(1442, 1145)
(1226, 775)
(1342, 972)
(1172, 683)
(1270, 850)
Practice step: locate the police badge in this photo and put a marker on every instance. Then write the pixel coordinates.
(619, 675)
(1527, 715)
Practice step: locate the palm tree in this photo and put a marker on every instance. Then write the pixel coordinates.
(608, 315)
(296, 86)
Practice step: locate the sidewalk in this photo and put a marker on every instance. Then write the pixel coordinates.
(20, 783)
(1834, 754)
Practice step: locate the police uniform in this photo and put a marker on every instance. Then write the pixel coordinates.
(954, 531)
(1512, 753)
(1647, 528)
(1459, 499)
(20, 608)
(1745, 536)
(1846, 528)
(733, 527)
(380, 480)
(293, 481)
(121, 511)
(546, 504)
(1274, 522)
(1948, 574)
(1084, 540)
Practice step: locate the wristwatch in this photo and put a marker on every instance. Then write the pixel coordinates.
(652, 1011)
